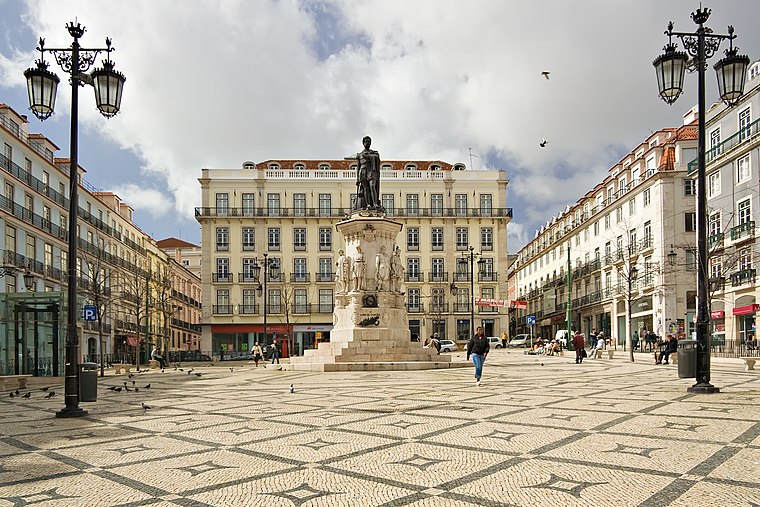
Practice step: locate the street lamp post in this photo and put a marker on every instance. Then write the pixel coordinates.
(463, 262)
(41, 87)
(731, 72)
(270, 269)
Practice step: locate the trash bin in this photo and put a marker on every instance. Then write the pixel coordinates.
(687, 358)
(88, 382)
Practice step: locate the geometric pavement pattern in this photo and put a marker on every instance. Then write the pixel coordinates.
(539, 431)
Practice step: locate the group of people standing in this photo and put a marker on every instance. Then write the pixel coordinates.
(597, 341)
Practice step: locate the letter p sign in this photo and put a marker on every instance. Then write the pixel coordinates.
(90, 312)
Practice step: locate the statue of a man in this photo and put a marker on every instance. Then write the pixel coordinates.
(382, 269)
(367, 177)
(343, 274)
(397, 270)
(358, 269)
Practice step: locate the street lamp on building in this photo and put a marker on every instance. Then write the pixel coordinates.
(41, 87)
(732, 73)
(271, 268)
(462, 262)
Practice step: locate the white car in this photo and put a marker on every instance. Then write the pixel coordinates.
(495, 342)
(448, 346)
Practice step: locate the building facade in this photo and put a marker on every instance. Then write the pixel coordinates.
(616, 241)
(285, 211)
(733, 187)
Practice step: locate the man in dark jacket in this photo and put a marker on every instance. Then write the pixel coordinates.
(670, 348)
(579, 345)
(478, 348)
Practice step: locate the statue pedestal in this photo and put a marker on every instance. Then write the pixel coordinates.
(370, 326)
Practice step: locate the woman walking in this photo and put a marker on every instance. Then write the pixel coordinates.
(257, 354)
(580, 347)
(478, 348)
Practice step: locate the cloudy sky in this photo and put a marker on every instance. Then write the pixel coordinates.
(212, 83)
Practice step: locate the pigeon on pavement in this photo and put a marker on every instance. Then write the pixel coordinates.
(145, 407)
(27, 395)
(147, 386)
(50, 394)
(292, 389)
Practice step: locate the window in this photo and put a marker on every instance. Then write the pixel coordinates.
(222, 269)
(596, 228)
(300, 303)
(586, 234)
(223, 298)
(46, 179)
(462, 240)
(414, 300)
(249, 238)
(248, 205)
(713, 184)
(325, 238)
(744, 121)
(31, 247)
(438, 267)
(299, 205)
(715, 141)
(273, 238)
(689, 187)
(632, 206)
(274, 305)
(299, 270)
(8, 152)
(714, 224)
(745, 259)
(743, 210)
(647, 234)
(690, 221)
(607, 221)
(486, 238)
(249, 302)
(486, 205)
(743, 169)
(388, 203)
(222, 203)
(273, 205)
(48, 260)
(413, 238)
(222, 239)
(619, 214)
(325, 300)
(460, 204)
(436, 204)
(325, 203)
(412, 204)
(716, 267)
(248, 273)
(647, 196)
(299, 239)
(485, 270)
(436, 238)
(413, 269)
(325, 269)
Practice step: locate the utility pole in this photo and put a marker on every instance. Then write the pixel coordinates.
(569, 299)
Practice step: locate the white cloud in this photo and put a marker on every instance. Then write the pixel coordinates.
(149, 200)
(211, 84)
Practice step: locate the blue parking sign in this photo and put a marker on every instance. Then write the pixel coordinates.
(530, 320)
(90, 312)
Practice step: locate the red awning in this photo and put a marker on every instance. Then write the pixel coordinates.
(746, 310)
(133, 341)
(718, 314)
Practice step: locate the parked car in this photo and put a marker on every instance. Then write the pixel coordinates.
(561, 337)
(521, 340)
(448, 346)
(495, 342)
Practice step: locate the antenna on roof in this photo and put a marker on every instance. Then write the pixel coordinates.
(471, 155)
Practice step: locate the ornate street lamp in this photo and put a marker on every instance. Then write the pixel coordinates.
(41, 87)
(271, 268)
(463, 263)
(731, 71)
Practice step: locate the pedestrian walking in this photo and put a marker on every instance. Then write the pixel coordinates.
(275, 353)
(504, 339)
(258, 354)
(478, 348)
(580, 347)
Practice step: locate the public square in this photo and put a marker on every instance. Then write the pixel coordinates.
(539, 431)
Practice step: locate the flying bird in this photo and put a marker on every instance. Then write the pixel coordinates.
(292, 389)
(543, 143)
(145, 407)
(27, 395)
(545, 74)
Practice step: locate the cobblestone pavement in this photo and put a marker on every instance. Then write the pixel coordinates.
(539, 431)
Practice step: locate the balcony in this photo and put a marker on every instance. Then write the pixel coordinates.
(488, 309)
(301, 308)
(222, 309)
(461, 307)
(275, 212)
(646, 244)
(248, 309)
(246, 278)
(742, 277)
(728, 145)
(438, 276)
(221, 277)
(415, 307)
(300, 277)
(715, 240)
(717, 283)
(487, 276)
(325, 277)
(325, 308)
(462, 277)
(743, 231)
(412, 247)
(413, 277)
(438, 308)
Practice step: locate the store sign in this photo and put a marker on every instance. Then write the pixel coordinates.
(717, 314)
(518, 304)
(490, 302)
(642, 305)
(747, 310)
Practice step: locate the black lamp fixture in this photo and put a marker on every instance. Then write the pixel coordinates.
(633, 273)
(672, 256)
(731, 72)
(42, 86)
(271, 269)
(29, 280)
(462, 261)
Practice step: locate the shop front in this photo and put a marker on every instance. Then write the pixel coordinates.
(308, 336)
(235, 341)
(744, 322)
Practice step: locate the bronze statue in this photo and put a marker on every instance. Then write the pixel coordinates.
(367, 178)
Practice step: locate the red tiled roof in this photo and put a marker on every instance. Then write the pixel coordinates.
(174, 243)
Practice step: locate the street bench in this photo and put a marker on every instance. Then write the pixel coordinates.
(749, 362)
(14, 382)
(119, 368)
(600, 353)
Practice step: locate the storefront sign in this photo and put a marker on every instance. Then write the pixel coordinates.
(518, 304)
(490, 302)
(133, 341)
(717, 314)
(642, 304)
(306, 328)
(746, 310)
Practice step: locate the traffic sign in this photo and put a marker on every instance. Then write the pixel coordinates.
(90, 312)
(530, 320)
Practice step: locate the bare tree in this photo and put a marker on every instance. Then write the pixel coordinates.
(135, 291)
(100, 273)
(162, 300)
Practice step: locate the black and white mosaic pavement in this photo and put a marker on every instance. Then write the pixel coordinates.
(604, 433)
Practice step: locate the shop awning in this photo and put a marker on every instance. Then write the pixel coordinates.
(545, 322)
(718, 314)
(746, 310)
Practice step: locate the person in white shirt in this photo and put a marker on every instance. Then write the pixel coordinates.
(600, 345)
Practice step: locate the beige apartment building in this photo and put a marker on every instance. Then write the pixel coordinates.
(453, 241)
